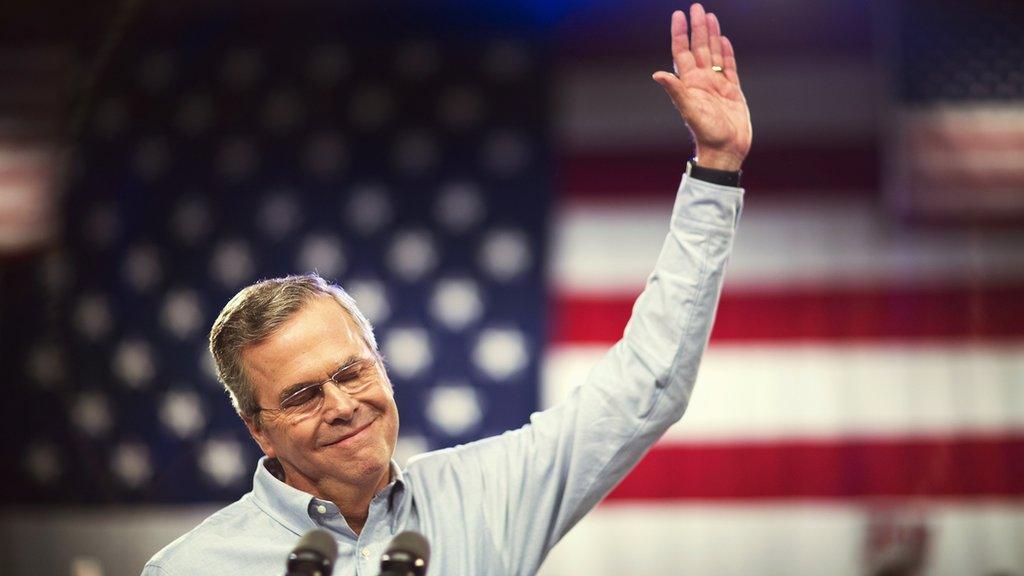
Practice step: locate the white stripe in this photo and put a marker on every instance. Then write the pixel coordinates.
(958, 160)
(602, 249)
(965, 119)
(784, 538)
(765, 392)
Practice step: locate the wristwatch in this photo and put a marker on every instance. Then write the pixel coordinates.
(720, 177)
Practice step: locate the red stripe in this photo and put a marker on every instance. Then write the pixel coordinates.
(630, 173)
(954, 467)
(821, 314)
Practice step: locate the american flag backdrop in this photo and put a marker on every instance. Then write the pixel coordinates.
(413, 171)
(493, 195)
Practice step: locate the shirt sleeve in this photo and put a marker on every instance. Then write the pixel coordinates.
(536, 482)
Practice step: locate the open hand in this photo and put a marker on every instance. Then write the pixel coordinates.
(710, 102)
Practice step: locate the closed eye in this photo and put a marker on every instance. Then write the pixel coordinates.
(303, 396)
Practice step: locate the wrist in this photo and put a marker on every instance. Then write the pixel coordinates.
(717, 160)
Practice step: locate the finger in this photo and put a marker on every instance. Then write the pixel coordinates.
(715, 39)
(699, 36)
(729, 61)
(680, 40)
(681, 58)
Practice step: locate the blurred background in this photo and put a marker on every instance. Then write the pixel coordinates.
(492, 182)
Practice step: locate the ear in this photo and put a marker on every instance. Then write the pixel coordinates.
(260, 435)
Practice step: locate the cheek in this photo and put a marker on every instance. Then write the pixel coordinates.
(300, 436)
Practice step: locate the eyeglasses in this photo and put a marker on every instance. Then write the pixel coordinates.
(352, 378)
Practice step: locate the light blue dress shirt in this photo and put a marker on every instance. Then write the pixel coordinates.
(499, 505)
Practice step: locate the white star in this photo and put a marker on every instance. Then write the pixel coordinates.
(43, 462)
(45, 364)
(501, 352)
(283, 111)
(152, 157)
(322, 253)
(92, 317)
(195, 115)
(459, 206)
(506, 60)
(191, 220)
(131, 463)
(418, 60)
(141, 268)
(460, 107)
(407, 351)
(156, 70)
(505, 254)
(416, 152)
(231, 264)
(91, 414)
(279, 215)
(242, 67)
(412, 254)
(456, 302)
(325, 155)
(181, 314)
(370, 107)
(369, 209)
(328, 64)
(506, 152)
(237, 159)
(221, 461)
(110, 117)
(102, 225)
(371, 297)
(133, 363)
(454, 408)
(182, 413)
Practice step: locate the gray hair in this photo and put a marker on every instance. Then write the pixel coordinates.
(254, 314)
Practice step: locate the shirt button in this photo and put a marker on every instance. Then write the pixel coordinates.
(321, 509)
(365, 552)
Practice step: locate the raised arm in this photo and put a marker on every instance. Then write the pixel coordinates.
(533, 484)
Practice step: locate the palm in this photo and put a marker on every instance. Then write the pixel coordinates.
(710, 102)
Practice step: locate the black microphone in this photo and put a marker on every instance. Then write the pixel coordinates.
(406, 555)
(314, 555)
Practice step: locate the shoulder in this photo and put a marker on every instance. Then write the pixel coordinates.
(215, 542)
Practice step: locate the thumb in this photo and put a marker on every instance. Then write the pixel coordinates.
(664, 79)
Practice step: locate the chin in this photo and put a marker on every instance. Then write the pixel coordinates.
(366, 469)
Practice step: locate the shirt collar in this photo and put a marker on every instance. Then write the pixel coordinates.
(290, 506)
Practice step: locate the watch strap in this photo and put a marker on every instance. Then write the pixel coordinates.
(720, 177)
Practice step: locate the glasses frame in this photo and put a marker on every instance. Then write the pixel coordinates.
(361, 363)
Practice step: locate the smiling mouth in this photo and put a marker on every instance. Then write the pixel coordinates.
(351, 434)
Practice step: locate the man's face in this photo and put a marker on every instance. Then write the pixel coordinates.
(349, 441)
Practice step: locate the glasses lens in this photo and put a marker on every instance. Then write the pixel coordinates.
(304, 401)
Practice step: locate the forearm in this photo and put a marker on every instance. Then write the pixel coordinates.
(651, 371)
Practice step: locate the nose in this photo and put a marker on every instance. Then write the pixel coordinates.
(338, 405)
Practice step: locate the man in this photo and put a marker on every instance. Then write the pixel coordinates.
(302, 368)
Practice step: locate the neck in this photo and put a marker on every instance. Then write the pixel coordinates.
(352, 499)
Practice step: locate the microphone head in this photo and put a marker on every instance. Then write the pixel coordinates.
(407, 554)
(314, 555)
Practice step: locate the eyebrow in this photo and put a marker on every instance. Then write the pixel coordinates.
(351, 360)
